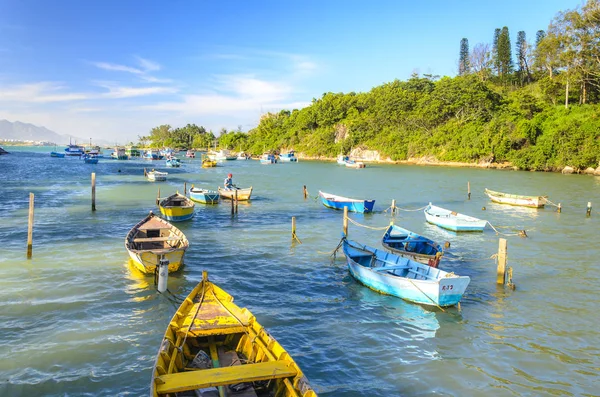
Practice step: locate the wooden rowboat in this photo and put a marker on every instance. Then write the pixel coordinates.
(339, 202)
(176, 208)
(411, 245)
(212, 347)
(395, 275)
(516, 199)
(156, 176)
(452, 220)
(242, 194)
(204, 196)
(153, 238)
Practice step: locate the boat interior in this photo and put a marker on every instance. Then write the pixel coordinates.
(397, 266)
(155, 235)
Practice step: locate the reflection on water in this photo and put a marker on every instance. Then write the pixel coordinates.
(79, 319)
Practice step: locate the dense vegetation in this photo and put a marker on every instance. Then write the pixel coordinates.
(540, 112)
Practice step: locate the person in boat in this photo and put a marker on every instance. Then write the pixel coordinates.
(228, 182)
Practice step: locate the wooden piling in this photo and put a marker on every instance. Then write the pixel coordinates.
(236, 201)
(501, 270)
(393, 207)
(588, 212)
(345, 223)
(305, 192)
(158, 197)
(185, 189)
(293, 228)
(469, 190)
(30, 227)
(93, 191)
(559, 209)
(232, 206)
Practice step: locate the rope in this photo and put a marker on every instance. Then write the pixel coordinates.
(494, 256)
(365, 226)
(520, 233)
(551, 203)
(404, 209)
(295, 238)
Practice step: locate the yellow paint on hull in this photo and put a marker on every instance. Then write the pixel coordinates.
(146, 262)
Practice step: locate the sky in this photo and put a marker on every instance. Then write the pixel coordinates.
(113, 70)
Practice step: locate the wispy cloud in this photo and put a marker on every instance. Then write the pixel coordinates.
(117, 68)
(41, 92)
(129, 92)
(142, 70)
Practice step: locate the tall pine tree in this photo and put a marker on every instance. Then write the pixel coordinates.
(464, 66)
(505, 62)
(521, 50)
(495, 58)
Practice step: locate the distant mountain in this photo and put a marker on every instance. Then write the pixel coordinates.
(29, 132)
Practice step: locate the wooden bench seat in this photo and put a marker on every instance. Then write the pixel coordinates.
(426, 276)
(183, 381)
(153, 239)
(384, 268)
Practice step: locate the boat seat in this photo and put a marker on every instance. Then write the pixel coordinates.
(384, 268)
(155, 239)
(426, 276)
(203, 378)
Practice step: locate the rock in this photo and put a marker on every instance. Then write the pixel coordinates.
(597, 172)
(568, 170)
(589, 171)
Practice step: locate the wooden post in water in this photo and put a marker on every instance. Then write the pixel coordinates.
(293, 228)
(185, 189)
(305, 192)
(469, 190)
(393, 207)
(158, 197)
(345, 223)
(30, 227)
(93, 191)
(501, 270)
(236, 201)
(588, 212)
(232, 206)
(145, 173)
(559, 209)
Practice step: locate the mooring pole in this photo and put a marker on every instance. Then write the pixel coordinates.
(236, 201)
(232, 206)
(93, 191)
(158, 197)
(501, 270)
(185, 189)
(469, 190)
(30, 227)
(345, 223)
(305, 192)
(559, 209)
(293, 228)
(588, 212)
(393, 207)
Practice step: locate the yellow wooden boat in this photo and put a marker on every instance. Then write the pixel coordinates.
(153, 238)
(208, 163)
(176, 208)
(212, 347)
(242, 194)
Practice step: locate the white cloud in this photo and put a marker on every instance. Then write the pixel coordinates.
(148, 65)
(117, 68)
(143, 71)
(41, 92)
(128, 92)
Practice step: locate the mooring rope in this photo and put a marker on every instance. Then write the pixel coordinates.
(404, 209)
(551, 203)
(520, 233)
(365, 226)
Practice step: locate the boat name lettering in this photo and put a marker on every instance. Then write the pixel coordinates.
(447, 287)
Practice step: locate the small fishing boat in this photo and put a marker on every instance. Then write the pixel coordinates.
(119, 154)
(156, 176)
(268, 158)
(190, 154)
(410, 280)
(411, 245)
(224, 154)
(173, 162)
(152, 155)
(57, 154)
(243, 156)
(212, 347)
(133, 151)
(339, 202)
(517, 199)
(452, 220)
(289, 157)
(90, 158)
(204, 196)
(346, 161)
(208, 163)
(239, 193)
(74, 150)
(176, 208)
(152, 239)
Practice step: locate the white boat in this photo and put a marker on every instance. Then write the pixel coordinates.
(156, 176)
(348, 162)
(289, 157)
(452, 220)
(517, 199)
(224, 154)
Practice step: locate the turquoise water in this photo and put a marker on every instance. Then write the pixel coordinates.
(78, 320)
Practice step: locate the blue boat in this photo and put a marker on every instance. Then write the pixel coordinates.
(289, 157)
(268, 158)
(339, 202)
(57, 154)
(90, 158)
(152, 155)
(74, 150)
(395, 275)
(204, 196)
(173, 162)
(452, 220)
(411, 245)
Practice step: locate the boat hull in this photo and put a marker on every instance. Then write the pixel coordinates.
(339, 202)
(242, 194)
(430, 286)
(411, 245)
(453, 221)
(517, 200)
(204, 196)
(146, 262)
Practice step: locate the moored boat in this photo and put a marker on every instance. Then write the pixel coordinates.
(133, 151)
(173, 162)
(204, 196)
(119, 154)
(154, 238)
(176, 208)
(452, 220)
(348, 162)
(190, 154)
(152, 155)
(516, 199)
(156, 176)
(212, 347)
(241, 194)
(268, 158)
(74, 150)
(339, 202)
(410, 280)
(289, 157)
(89, 158)
(224, 154)
(409, 244)
(208, 163)
(57, 154)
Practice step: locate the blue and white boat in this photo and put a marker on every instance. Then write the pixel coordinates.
(268, 158)
(74, 150)
(348, 162)
(152, 155)
(289, 157)
(90, 158)
(204, 196)
(57, 154)
(173, 162)
(339, 202)
(395, 275)
(411, 245)
(452, 220)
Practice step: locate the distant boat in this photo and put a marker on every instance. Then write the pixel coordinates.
(242, 194)
(289, 157)
(224, 154)
(152, 155)
(176, 208)
(154, 238)
(212, 348)
(395, 275)
(74, 150)
(411, 245)
(156, 176)
(452, 220)
(516, 199)
(204, 196)
(243, 156)
(173, 162)
(90, 158)
(119, 154)
(2, 151)
(346, 161)
(268, 158)
(55, 154)
(339, 202)
(190, 154)
(208, 163)
(133, 151)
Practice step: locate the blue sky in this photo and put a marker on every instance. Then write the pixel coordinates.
(112, 70)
